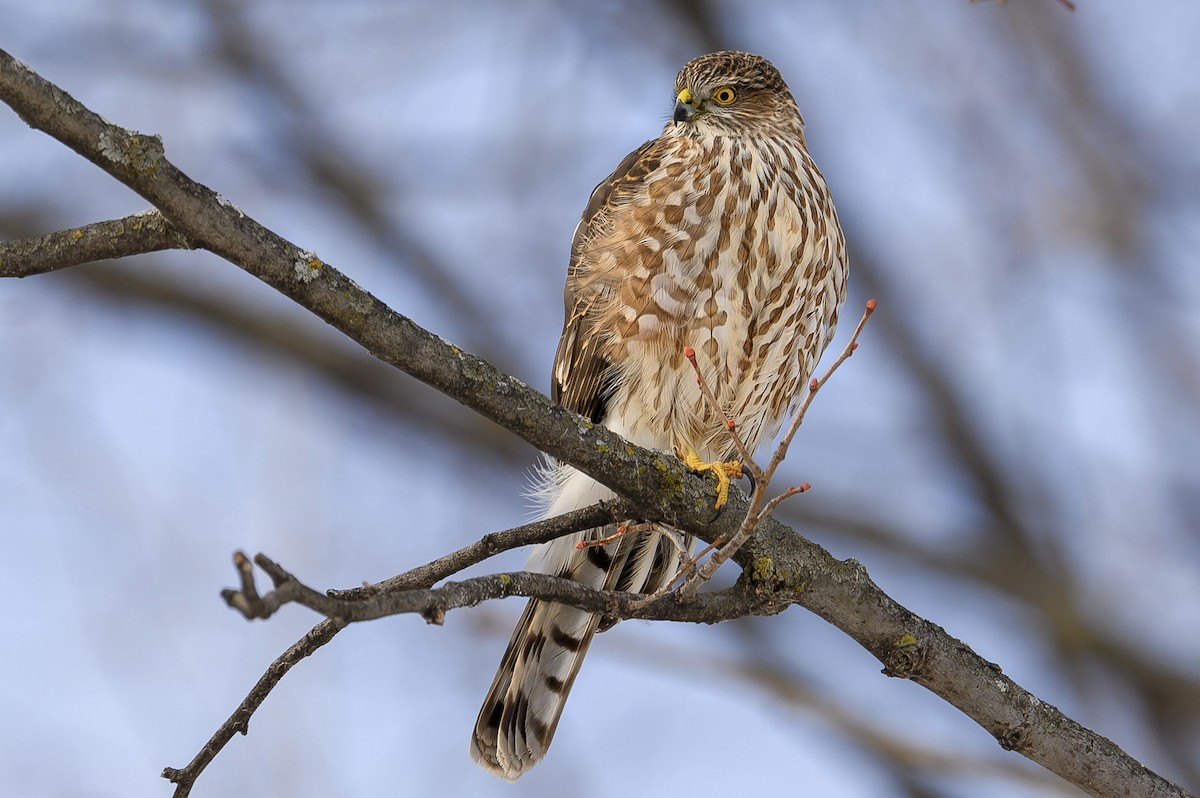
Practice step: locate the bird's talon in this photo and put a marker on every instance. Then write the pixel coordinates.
(721, 471)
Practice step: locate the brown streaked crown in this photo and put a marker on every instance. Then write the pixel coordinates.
(746, 71)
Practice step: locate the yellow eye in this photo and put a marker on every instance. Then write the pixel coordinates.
(724, 95)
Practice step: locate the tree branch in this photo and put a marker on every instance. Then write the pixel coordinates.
(605, 512)
(778, 562)
(413, 591)
(146, 231)
(251, 605)
(239, 721)
(433, 604)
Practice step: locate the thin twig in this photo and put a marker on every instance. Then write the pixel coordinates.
(627, 528)
(599, 514)
(758, 510)
(730, 424)
(814, 386)
(239, 721)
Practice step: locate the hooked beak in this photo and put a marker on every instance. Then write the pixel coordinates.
(686, 106)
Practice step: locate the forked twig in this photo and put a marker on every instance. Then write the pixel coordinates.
(711, 397)
(759, 507)
(816, 385)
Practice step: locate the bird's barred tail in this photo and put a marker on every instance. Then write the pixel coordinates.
(526, 699)
(522, 708)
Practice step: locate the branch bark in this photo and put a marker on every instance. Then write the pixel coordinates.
(432, 604)
(777, 562)
(136, 234)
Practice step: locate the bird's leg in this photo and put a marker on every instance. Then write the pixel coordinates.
(722, 470)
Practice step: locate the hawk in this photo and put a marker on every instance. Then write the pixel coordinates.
(718, 235)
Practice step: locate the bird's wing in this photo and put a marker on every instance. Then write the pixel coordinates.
(580, 371)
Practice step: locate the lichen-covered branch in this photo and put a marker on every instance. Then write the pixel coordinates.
(136, 234)
(432, 604)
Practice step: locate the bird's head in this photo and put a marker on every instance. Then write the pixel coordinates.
(730, 93)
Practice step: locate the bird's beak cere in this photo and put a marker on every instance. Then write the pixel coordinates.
(686, 106)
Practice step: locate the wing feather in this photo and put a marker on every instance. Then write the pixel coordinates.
(581, 373)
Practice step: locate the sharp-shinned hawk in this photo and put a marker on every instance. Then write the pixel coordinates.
(720, 235)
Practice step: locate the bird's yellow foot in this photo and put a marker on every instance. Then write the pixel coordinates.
(723, 471)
